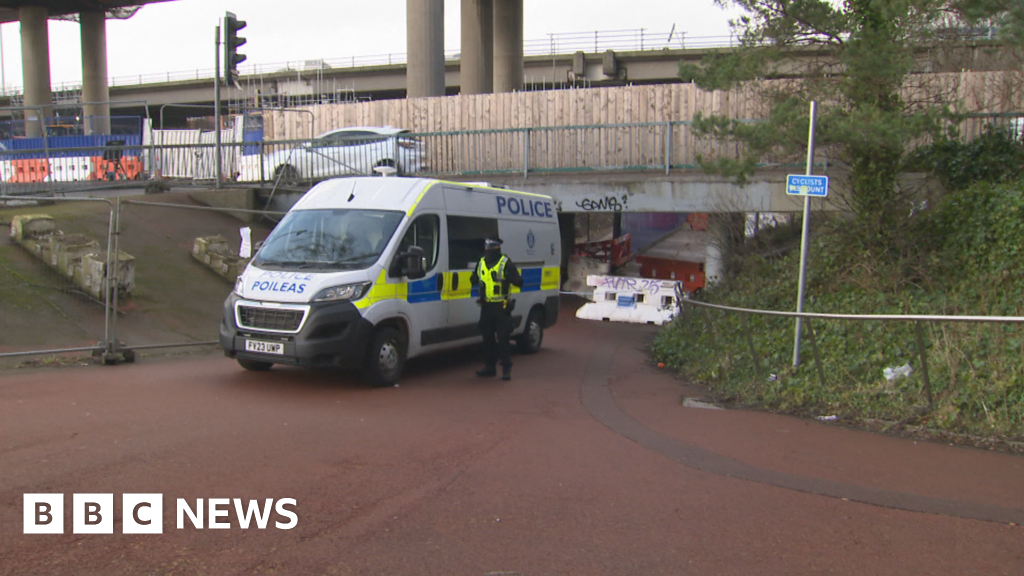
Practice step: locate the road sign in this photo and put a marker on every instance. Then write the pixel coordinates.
(804, 185)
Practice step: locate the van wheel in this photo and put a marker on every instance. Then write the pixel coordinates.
(533, 335)
(386, 357)
(254, 365)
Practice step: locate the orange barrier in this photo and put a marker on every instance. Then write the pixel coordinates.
(29, 170)
(34, 170)
(127, 168)
(697, 220)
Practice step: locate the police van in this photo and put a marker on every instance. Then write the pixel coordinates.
(366, 272)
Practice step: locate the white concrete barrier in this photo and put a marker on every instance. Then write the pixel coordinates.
(71, 169)
(634, 300)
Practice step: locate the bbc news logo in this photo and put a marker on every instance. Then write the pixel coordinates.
(143, 513)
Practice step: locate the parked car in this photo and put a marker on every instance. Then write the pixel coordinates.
(353, 151)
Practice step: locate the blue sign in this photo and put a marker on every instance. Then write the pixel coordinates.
(804, 185)
(627, 301)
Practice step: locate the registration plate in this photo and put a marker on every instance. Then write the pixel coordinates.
(264, 347)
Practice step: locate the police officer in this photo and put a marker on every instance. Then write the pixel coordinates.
(494, 274)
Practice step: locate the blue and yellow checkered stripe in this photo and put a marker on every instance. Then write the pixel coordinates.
(426, 290)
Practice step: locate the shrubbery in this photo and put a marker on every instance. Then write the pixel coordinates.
(962, 256)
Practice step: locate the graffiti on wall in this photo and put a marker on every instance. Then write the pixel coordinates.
(604, 204)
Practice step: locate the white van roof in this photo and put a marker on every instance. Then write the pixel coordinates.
(371, 192)
(375, 193)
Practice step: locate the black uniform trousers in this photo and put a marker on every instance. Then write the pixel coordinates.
(496, 327)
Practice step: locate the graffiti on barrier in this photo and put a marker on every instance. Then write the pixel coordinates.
(623, 284)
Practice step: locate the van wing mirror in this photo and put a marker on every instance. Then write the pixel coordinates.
(414, 263)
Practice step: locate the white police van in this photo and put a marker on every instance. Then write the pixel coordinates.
(365, 272)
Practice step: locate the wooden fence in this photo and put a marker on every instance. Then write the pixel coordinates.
(976, 92)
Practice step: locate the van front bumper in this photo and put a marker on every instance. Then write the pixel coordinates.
(333, 334)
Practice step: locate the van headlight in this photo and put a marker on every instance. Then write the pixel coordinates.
(344, 292)
(238, 286)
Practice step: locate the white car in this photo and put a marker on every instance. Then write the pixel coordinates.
(353, 151)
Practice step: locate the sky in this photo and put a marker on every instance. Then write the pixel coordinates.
(176, 38)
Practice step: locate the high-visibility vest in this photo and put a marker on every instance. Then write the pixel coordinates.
(491, 279)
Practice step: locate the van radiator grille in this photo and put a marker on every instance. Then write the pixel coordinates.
(269, 319)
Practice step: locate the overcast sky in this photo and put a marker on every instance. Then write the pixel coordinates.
(178, 36)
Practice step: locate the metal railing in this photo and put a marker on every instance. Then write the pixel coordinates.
(119, 277)
(654, 147)
(659, 147)
(57, 251)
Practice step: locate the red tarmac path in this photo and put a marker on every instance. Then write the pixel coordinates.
(586, 463)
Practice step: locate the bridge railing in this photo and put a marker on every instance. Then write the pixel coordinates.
(656, 147)
(611, 147)
(633, 40)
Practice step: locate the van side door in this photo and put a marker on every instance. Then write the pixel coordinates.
(428, 312)
(466, 235)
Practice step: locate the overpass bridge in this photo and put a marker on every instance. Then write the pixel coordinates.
(615, 59)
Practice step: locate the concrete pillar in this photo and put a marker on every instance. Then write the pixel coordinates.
(719, 238)
(476, 65)
(424, 74)
(567, 228)
(508, 45)
(35, 65)
(94, 72)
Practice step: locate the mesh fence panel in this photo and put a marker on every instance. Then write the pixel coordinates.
(186, 261)
(53, 274)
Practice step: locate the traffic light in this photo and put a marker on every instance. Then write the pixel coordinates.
(231, 43)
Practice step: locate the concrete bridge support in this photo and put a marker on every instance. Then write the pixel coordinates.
(35, 65)
(425, 46)
(714, 255)
(508, 45)
(476, 64)
(95, 93)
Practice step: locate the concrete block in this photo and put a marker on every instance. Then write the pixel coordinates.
(125, 264)
(204, 245)
(579, 64)
(26, 226)
(95, 273)
(69, 250)
(233, 266)
(216, 253)
(609, 64)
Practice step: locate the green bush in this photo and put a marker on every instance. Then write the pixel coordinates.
(961, 257)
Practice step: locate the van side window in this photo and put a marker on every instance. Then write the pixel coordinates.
(424, 232)
(466, 237)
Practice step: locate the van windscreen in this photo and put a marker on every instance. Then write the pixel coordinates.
(328, 239)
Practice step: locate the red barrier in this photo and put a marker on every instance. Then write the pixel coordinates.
(616, 251)
(691, 274)
(697, 220)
